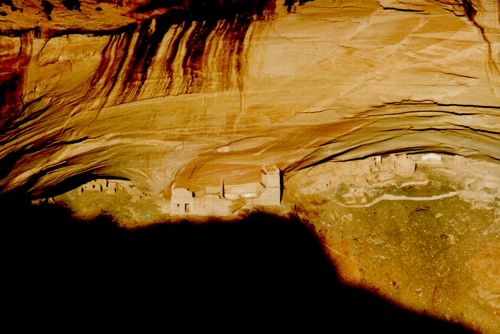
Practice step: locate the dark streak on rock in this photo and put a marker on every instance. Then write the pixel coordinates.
(471, 13)
(232, 26)
(111, 63)
(198, 19)
(145, 50)
(239, 37)
(12, 69)
(172, 50)
(9, 96)
(193, 59)
(418, 11)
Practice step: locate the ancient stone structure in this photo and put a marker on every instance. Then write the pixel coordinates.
(364, 106)
(227, 199)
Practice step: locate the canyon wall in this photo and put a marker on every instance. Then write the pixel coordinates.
(337, 81)
(193, 93)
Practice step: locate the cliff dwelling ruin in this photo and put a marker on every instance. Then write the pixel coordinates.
(228, 199)
(376, 123)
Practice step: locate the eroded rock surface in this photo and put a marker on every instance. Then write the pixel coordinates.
(427, 239)
(144, 98)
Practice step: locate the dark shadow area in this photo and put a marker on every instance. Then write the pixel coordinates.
(73, 182)
(263, 272)
(8, 162)
(210, 9)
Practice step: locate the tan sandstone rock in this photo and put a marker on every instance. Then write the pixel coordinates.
(382, 118)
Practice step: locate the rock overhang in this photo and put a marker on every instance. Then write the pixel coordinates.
(280, 76)
(147, 95)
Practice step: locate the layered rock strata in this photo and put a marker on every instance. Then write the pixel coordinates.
(144, 98)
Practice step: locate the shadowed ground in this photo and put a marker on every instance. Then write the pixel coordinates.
(263, 271)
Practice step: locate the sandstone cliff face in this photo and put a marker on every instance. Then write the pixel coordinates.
(73, 77)
(194, 94)
(339, 80)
